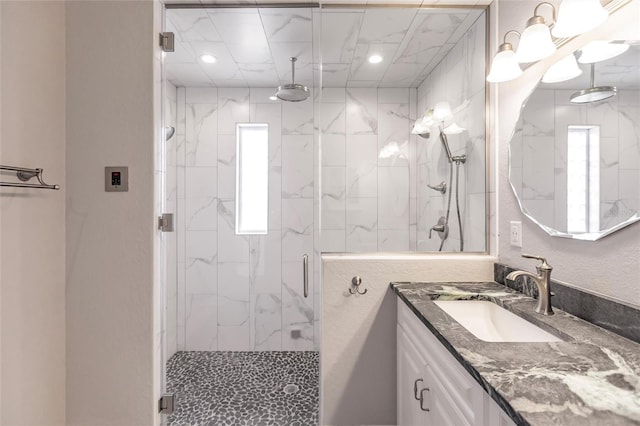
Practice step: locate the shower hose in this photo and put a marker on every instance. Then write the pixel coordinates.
(457, 203)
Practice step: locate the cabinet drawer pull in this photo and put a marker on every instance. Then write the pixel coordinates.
(422, 399)
(415, 389)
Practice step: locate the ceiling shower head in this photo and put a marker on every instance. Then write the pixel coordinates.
(293, 92)
(593, 94)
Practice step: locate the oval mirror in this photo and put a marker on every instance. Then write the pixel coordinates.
(575, 160)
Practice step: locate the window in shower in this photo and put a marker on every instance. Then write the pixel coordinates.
(583, 179)
(252, 177)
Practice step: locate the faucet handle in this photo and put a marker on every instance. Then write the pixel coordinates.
(543, 265)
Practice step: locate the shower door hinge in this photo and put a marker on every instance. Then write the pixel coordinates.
(166, 404)
(165, 222)
(167, 41)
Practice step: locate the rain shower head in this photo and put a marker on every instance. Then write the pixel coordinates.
(293, 92)
(593, 94)
(168, 132)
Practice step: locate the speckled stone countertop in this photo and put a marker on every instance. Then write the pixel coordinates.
(592, 377)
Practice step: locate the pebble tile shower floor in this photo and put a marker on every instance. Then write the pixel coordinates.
(244, 388)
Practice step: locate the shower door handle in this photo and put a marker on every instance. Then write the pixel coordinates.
(305, 274)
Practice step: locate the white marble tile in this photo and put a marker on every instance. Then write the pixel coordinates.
(233, 294)
(297, 166)
(234, 337)
(393, 239)
(201, 332)
(385, 25)
(233, 108)
(393, 198)
(362, 111)
(340, 34)
(265, 262)
(201, 213)
(297, 118)
(332, 118)
(394, 95)
(335, 75)
(605, 115)
(201, 262)
(537, 171)
(202, 135)
(393, 134)
(297, 228)
(286, 24)
(266, 322)
(542, 210)
(362, 160)
(629, 137)
(235, 247)
(333, 198)
(364, 71)
(362, 225)
(275, 198)
(226, 167)
(297, 311)
(538, 118)
(333, 150)
(201, 95)
(333, 240)
(201, 182)
(192, 24)
(334, 95)
(474, 225)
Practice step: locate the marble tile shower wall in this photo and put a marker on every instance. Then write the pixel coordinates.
(456, 81)
(367, 167)
(543, 136)
(243, 292)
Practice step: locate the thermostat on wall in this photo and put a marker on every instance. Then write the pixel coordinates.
(116, 179)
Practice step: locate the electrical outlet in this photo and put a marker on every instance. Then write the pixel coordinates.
(516, 234)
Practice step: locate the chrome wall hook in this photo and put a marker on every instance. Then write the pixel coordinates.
(355, 282)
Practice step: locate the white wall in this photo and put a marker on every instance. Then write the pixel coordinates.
(111, 49)
(32, 253)
(358, 364)
(610, 266)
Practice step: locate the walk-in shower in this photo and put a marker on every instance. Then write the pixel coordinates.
(334, 92)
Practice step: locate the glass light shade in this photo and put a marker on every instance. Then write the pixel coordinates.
(453, 129)
(563, 70)
(598, 50)
(578, 16)
(442, 111)
(424, 124)
(535, 44)
(504, 67)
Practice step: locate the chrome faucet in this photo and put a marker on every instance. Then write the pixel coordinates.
(542, 280)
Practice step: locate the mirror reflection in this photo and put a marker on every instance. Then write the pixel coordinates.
(575, 153)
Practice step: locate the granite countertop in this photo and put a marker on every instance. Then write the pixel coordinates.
(592, 377)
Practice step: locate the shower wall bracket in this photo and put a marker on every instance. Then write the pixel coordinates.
(24, 175)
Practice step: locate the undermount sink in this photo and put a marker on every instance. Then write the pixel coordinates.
(492, 323)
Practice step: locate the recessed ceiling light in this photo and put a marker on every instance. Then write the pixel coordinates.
(375, 59)
(208, 59)
(273, 97)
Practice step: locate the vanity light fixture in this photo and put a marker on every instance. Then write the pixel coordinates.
(599, 50)
(535, 42)
(423, 125)
(273, 98)
(577, 17)
(505, 66)
(375, 59)
(563, 70)
(208, 59)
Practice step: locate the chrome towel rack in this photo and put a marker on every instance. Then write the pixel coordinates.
(25, 175)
